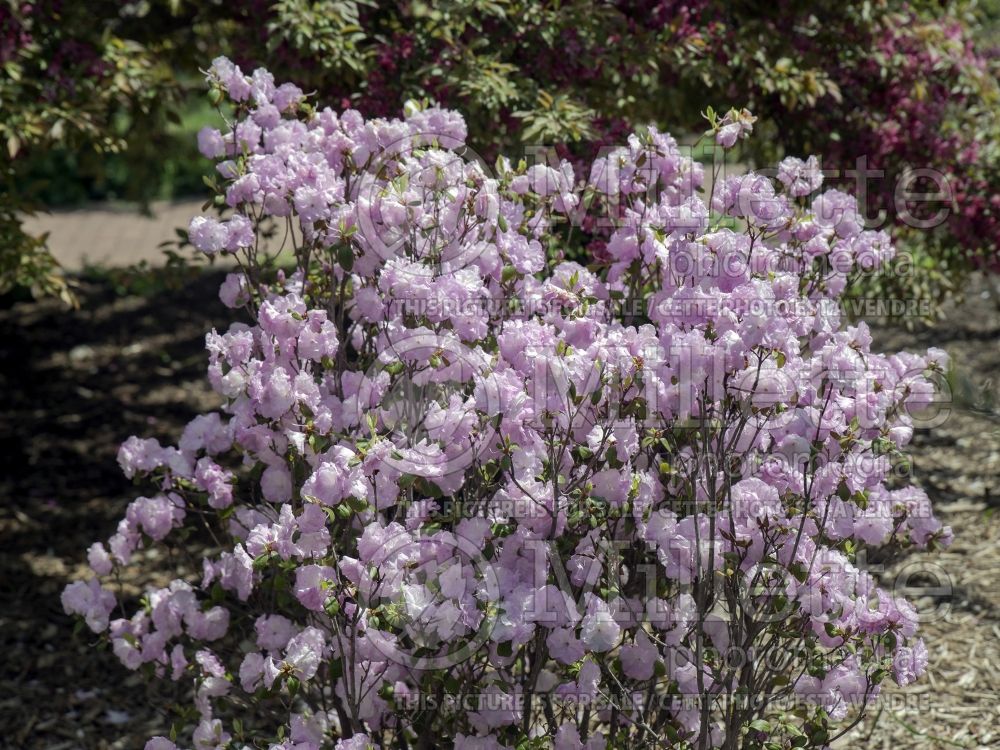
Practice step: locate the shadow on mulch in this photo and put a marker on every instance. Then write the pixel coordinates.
(73, 386)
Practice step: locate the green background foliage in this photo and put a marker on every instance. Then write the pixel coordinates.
(101, 100)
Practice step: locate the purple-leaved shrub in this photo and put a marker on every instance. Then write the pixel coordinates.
(464, 493)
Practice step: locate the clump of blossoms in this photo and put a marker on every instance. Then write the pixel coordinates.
(463, 494)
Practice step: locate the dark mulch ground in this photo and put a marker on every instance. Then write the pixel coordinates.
(74, 385)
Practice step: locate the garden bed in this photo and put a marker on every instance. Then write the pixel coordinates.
(77, 383)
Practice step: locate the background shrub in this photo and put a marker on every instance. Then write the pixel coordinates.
(902, 84)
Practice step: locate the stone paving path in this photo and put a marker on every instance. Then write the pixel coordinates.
(110, 235)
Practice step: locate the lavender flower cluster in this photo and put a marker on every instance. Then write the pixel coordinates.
(449, 472)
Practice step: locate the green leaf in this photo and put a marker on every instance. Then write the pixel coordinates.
(345, 257)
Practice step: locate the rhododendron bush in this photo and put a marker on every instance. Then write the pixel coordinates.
(463, 491)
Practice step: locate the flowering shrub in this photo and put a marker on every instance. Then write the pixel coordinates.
(903, 84)
(462, 493)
